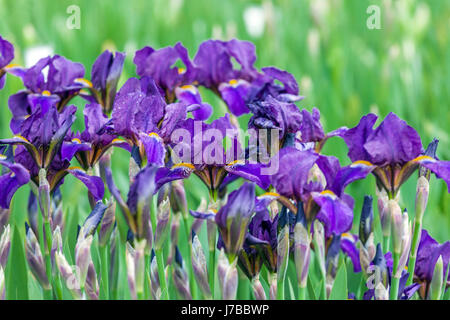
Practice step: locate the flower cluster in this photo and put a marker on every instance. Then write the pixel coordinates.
(292, 206)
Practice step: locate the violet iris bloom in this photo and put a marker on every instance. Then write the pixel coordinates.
(318, 182)
(51, 81)
(207, 157)
(6, 56)
(427, 255)
(394, 148)
(234, 217)
(89, 146)
(175, 82)
(39, 147)
(11, 181)
(105, 75)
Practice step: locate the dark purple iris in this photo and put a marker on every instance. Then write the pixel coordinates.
(427, 255)
(39, 147)
(318, 182)
(105, 75)
(394, 148)
(51, 81)
(6, 56)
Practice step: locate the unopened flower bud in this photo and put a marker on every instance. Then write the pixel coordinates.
(178, 200)
(316, 175)
(282, 243)
(366, 221)
(91, 287)
(381, 293)
(5, 245)
(131, 270)
(434, 293)
(2, 284)
(397, 225)
(70, 278)
(154, 278)
(162, 224)
(258, 289)
(230, 282)
(4, 217)
(423, 188)
(83, 257)
(44, 194)
(180, 277)
(302, 243)
(107, 224)
(383, 209)
(56, 242)
(35, 259)
(198, 261)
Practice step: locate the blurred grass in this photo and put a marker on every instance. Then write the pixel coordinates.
(343, 68)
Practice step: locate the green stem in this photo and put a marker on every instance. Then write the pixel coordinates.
(280, 288)
(161, 274)
(188, 265)
(414, 247)
(386, 243)
(211, 271)
(301, 292)
(104, 280)
(47, 250)
(395, 280)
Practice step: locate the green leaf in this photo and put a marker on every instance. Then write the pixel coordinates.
(311, 294)
(16, 270)
(291, 290)
(339, 290)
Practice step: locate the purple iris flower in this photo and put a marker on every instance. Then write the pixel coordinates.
(394, 148)
(6, 56)
(160, 65)
(51, 81)
(427, 255)
(39, 147)
(234, 217)
(105, 75)
(348, 246)
(318, 182)
(89, 146)
(11, 181)
(209, 160)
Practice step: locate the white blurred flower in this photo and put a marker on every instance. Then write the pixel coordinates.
(306, 84)
(319, 9)
(255, 20)
(313, 41)
(34, 54)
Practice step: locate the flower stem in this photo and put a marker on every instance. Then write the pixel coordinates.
(188, 265)
(47, 250)
(104, 280)
(395, 280)
(211, 271)
(301, 293)
(386, 243)
(161, 274)
(413, 254)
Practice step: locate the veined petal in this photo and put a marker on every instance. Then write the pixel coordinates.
(94, 184)
(11, 182)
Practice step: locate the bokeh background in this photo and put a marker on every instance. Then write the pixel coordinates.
(343, 68)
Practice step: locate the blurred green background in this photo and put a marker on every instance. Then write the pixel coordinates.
(343, 68)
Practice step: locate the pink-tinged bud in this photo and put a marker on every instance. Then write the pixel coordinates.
(383, 210)
(406, 244)
(70, 278)
(44, 194)
(5, 245)
(381, 293)
(56, 242)
(258, 289)
(319, 244)
(154, 278)
(434, 293)
(230, 282)
(91, 287)
(131, 270)
(366, 252)
(178, 200)
(162, 224)
(302, 254)
(35, 259)
(107, 224)
(2, 284)
(83, 257)
(222, 267)
(397, 225)
(180, 277)
(198, 261)
(423, 189)
(174, 231)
